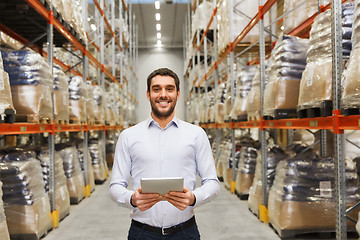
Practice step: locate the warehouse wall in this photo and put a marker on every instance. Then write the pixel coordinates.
(149, 60)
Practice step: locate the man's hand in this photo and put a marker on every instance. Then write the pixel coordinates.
(144, 201)
(180, 199)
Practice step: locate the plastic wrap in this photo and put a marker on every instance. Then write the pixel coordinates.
(77, 99)
(31, 84)
(282, 91)
(4, 232)
(90, 105)
(253, 99)
(27, 206)
(97, 160)
(224, 159)
(316, 81)
(72, 169)
(220, 99)
(110, 117)
(99, 104)
(90, 170)
(61, 95)
(304, 189)
(6, 101)
(202, 16)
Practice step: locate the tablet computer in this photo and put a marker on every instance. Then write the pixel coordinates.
(162, 185)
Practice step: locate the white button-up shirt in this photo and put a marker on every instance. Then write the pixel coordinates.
(147, 151)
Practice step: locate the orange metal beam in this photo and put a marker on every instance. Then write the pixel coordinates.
(24, 128)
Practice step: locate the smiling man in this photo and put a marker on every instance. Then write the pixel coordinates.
(163, 146)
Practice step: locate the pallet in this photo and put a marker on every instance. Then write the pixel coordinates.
(61, 122)
(32, 119)
(242, 196)
(323, 110)
(35, 236)
(253, 117)
(221, 179)
(282, 114)
(242, 118)
(99, 182)
(9, 116)
(316, 233)
(350, 111)
(75, 201)
(76, 121)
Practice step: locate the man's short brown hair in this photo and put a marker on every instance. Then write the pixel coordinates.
(163, 72)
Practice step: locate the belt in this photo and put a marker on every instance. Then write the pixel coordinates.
(165, 231)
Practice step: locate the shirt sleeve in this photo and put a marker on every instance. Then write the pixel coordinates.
(210, 185)
(121, 174)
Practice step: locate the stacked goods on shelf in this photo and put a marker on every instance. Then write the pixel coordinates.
(72, 169)
(315, 95)
(220, 100)
(297, 12)
(68, 55)
(240, 21)
(61, 96)
(27, 206)
(90, 103)
(226, 163)
(244, 81)
(109, 107)
(114, 89)
(110, 149)
(304, 189)
(246, 169)
(201, 17)
(9, 42)
(90, 170)
(282, 91)
(350, 102)
(4, 232)
(61, 193)
(274, 155)
(253, 99)
(6, 104)
(31, 85)
(99, 105)
(97, 160)
(77, 100)
(210, 117)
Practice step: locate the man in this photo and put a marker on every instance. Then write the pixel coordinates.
(163, 146)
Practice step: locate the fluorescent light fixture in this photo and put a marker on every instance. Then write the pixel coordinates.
(158, 35)
(282, 28)
(157, 4)
(157, 16)
(93, 27)
(158, 27)
(158, 43)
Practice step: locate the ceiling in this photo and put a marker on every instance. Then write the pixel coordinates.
(173, 14)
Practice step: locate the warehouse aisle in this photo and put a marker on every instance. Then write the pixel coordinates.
(97, 217)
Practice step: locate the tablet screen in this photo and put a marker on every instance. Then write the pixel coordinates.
(162, 185)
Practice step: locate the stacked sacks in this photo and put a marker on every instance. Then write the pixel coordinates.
(31, 84)
(274, 155)
(351, 80)
(282, 92)
(6, 103)
(90, 170)
(77, 100)
(61, 193)
(304, 189)
(316, 82)
(244, 83)
(97, 160)
(61, 96)
(4, 232)
(72, 169)
(27, 206)
(246, 169)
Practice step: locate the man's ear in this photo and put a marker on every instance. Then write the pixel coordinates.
(178, 96)
(148, 95)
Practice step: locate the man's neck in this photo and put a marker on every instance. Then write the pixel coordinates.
(162, 121)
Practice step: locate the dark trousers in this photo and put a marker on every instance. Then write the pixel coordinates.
(137, 233)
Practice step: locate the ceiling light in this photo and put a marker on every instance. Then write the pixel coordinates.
(158, 27)
(158, 43)
(157, 4)
(158, 35)
(93, 27)
(157, 16)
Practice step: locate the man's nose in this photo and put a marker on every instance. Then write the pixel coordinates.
(163, 92)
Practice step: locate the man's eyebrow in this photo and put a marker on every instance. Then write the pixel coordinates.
(170, 85)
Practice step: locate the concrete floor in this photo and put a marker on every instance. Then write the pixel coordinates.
(98, 218)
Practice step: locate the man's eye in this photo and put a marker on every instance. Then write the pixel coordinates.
(170, 89)
(156, 89)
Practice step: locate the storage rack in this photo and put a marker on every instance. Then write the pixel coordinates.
(337, 122)
(43, 18)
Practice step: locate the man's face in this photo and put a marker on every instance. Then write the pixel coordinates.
(163, 96)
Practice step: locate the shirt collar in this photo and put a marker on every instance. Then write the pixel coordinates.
(151, 121)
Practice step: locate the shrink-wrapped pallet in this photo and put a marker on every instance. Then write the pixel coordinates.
(97, 160)
(304, 189)
(90, 170)
(61, 96)
(6, 102)
(77, 100)
(27, 206)
(4, 232)
(220, 99)
(90, 113)
(31, 84)
(73, 173)
(226, 164)
(99, 104)
(316, 81)
(253, 99)
(244, 82)
(62, 197)
(282, 92)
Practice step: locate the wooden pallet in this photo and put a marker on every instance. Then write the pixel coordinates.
(99, 182)
(242, 118)
(9, 116)
(75, 201)
(35, 236)
(32, 119)
(61, 122)
(323, 109)
(282, 114)
(350, 111)
(76, 121)
(242, 196)
(253, 117)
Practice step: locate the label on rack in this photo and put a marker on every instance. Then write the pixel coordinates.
(2, 85)
(325, 189)
(310, 75)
